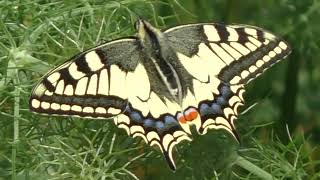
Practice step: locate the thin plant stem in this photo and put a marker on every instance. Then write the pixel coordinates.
(16, 115)
(249, 166)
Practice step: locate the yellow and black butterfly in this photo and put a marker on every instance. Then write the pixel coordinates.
(158, 83)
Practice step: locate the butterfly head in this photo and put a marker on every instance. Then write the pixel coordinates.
(142, 25)
(148, 35)
(140, 28)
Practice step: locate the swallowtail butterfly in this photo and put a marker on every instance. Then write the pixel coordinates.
(158, 83)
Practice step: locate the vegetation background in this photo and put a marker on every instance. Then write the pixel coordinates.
(280, 129)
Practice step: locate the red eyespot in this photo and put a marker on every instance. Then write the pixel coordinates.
(181, 118)
(191, 115)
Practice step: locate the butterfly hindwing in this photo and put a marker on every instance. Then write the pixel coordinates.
(164, 132)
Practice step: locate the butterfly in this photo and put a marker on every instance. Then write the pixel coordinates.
(157, 84)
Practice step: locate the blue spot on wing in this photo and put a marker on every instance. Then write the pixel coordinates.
(160, 126)
(216, 109)
(225, 91)
(204, 109)
(170, 121)
(221, 101)
(148, 123)
(136, 117)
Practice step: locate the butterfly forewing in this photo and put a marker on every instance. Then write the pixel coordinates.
(91, 84)
(235, 54)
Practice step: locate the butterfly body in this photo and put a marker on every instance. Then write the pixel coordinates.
(163, 63)
(159, 83)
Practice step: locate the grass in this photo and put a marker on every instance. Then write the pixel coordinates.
(38, 35)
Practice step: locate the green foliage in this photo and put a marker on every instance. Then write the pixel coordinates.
(36, 35)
